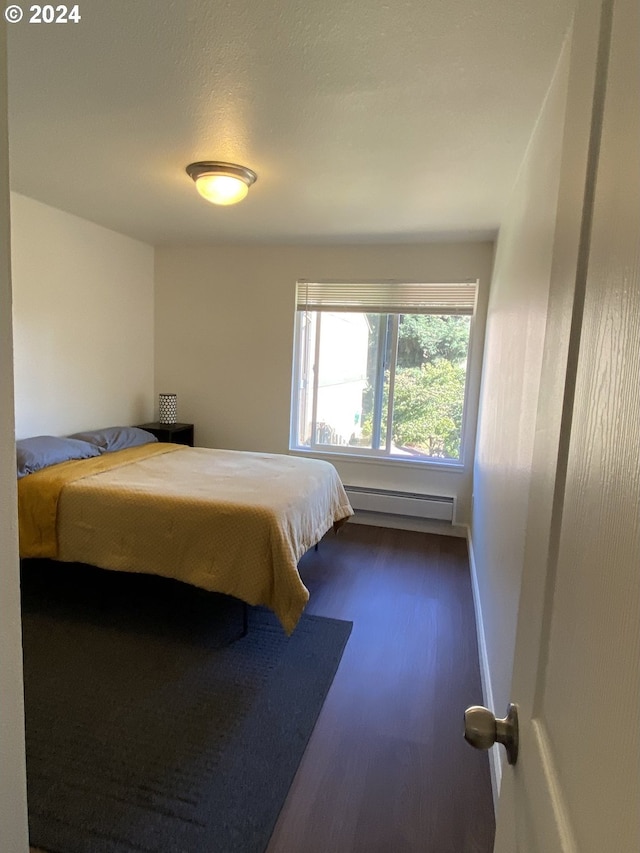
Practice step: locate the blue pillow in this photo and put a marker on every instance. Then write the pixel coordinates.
(116, 438)
(33, 454)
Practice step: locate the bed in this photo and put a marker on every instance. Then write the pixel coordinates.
(226, 521)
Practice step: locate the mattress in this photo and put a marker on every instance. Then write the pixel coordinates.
(225, 521)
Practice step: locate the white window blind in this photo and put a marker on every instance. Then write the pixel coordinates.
(387, 297)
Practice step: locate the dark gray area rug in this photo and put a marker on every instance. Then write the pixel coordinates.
(149, 730)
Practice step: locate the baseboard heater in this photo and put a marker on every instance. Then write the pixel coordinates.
(436, 507)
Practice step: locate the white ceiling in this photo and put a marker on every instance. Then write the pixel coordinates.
(366, 120)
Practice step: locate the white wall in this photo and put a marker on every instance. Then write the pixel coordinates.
(13, 788)
(224, 341)
(514, 346)
(83, 323)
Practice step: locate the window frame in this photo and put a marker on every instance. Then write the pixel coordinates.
(378, 455)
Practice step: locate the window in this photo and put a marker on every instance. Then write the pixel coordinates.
(380, 369)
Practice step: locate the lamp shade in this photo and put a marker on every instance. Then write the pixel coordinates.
(221, 189)
(221, 183)
(167, 408)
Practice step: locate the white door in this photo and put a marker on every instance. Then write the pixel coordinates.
(576, 784)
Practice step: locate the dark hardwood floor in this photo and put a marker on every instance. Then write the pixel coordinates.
(387, 769)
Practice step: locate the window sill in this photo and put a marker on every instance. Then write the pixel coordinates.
(395, 461)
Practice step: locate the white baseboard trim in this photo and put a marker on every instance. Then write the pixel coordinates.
(495, 764)
(405, 522)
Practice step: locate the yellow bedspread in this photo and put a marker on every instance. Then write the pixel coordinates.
(226, 521)
(39, 493)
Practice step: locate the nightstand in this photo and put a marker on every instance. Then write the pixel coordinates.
(172, 433)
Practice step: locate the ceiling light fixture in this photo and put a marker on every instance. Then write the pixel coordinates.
(221, 183)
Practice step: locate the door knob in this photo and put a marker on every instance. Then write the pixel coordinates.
(482, 729)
